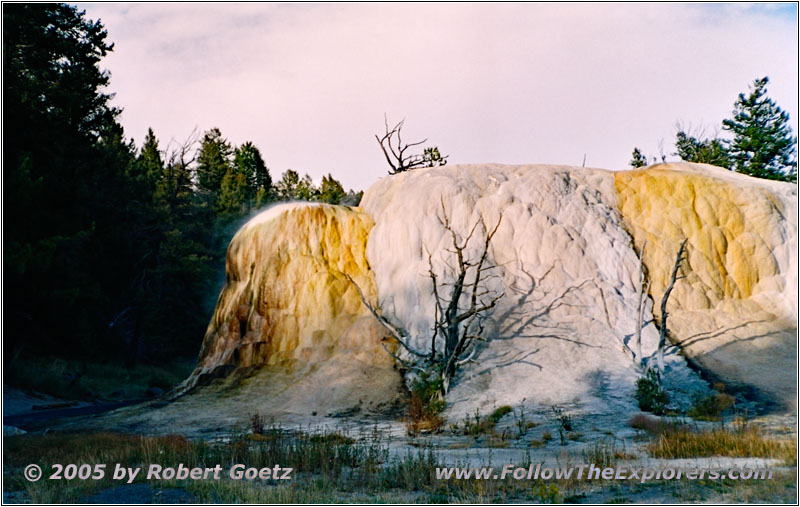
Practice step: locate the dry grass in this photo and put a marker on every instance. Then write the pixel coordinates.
(744, 442)
(423, 417)
(335, 468)
(655, 425)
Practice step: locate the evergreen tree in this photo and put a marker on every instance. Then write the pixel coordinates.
(292, 187)
(287, 186)
(106, 251)
(150, 163)
(248, 161)
(638, 160)
(65, 170)
(432, 157)
(306, 191)
(213, 161)
(763, 145)
(234, 195)
(331, 191)
(707, 151)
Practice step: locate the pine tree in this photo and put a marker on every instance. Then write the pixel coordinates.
(150, 163)
(306, 191)
(66, 166)
(763, 145)
(247, 159)
(331, 191)
(287, 186)
(638, 160)
(213, 161)
(234, 194)
(292, 187)
(706, 151)
(433, 158)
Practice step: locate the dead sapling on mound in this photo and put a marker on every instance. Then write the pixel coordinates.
(462, 304)
(395, 151)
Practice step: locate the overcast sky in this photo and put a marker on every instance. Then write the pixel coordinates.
(508, 83)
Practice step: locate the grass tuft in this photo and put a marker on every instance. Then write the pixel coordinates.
(747, 442)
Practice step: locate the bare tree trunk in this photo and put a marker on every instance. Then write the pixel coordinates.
(662, 340)
(640, 307)
(640, 322)
(460, 327)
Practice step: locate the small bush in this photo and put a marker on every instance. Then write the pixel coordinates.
(564, 420)
(547, 493)
(478, 425)
(425, 405)
(710, 408)
(258, 424)
(498, 413)
(651, 396)
(423, 416)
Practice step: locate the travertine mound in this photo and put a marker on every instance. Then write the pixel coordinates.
(736, 307)
(566, 260)
(288, 305)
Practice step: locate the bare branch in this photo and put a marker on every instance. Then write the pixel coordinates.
(404, 363)
(662, 340)
(394, 150)
(397, 333)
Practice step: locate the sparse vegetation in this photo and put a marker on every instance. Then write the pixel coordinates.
(651, 396)
(605, 453)
(257, 424)
(747, 441)
(523, 425)
(425, 405)
(710, 408)
(499, 413)
(478, 425)
(655, 425)
(333, 467)
(564, 421)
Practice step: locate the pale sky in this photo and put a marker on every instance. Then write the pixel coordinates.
(507, 83)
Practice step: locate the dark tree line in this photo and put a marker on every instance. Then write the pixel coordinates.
(111, 252)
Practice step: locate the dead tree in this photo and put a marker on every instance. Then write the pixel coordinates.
(461, 328)
(461, 308)
(394, 150)
(662, 340)
(644, 288)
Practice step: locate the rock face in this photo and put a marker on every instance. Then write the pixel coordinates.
(736, 308)
(288, 305)
(566, 261)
